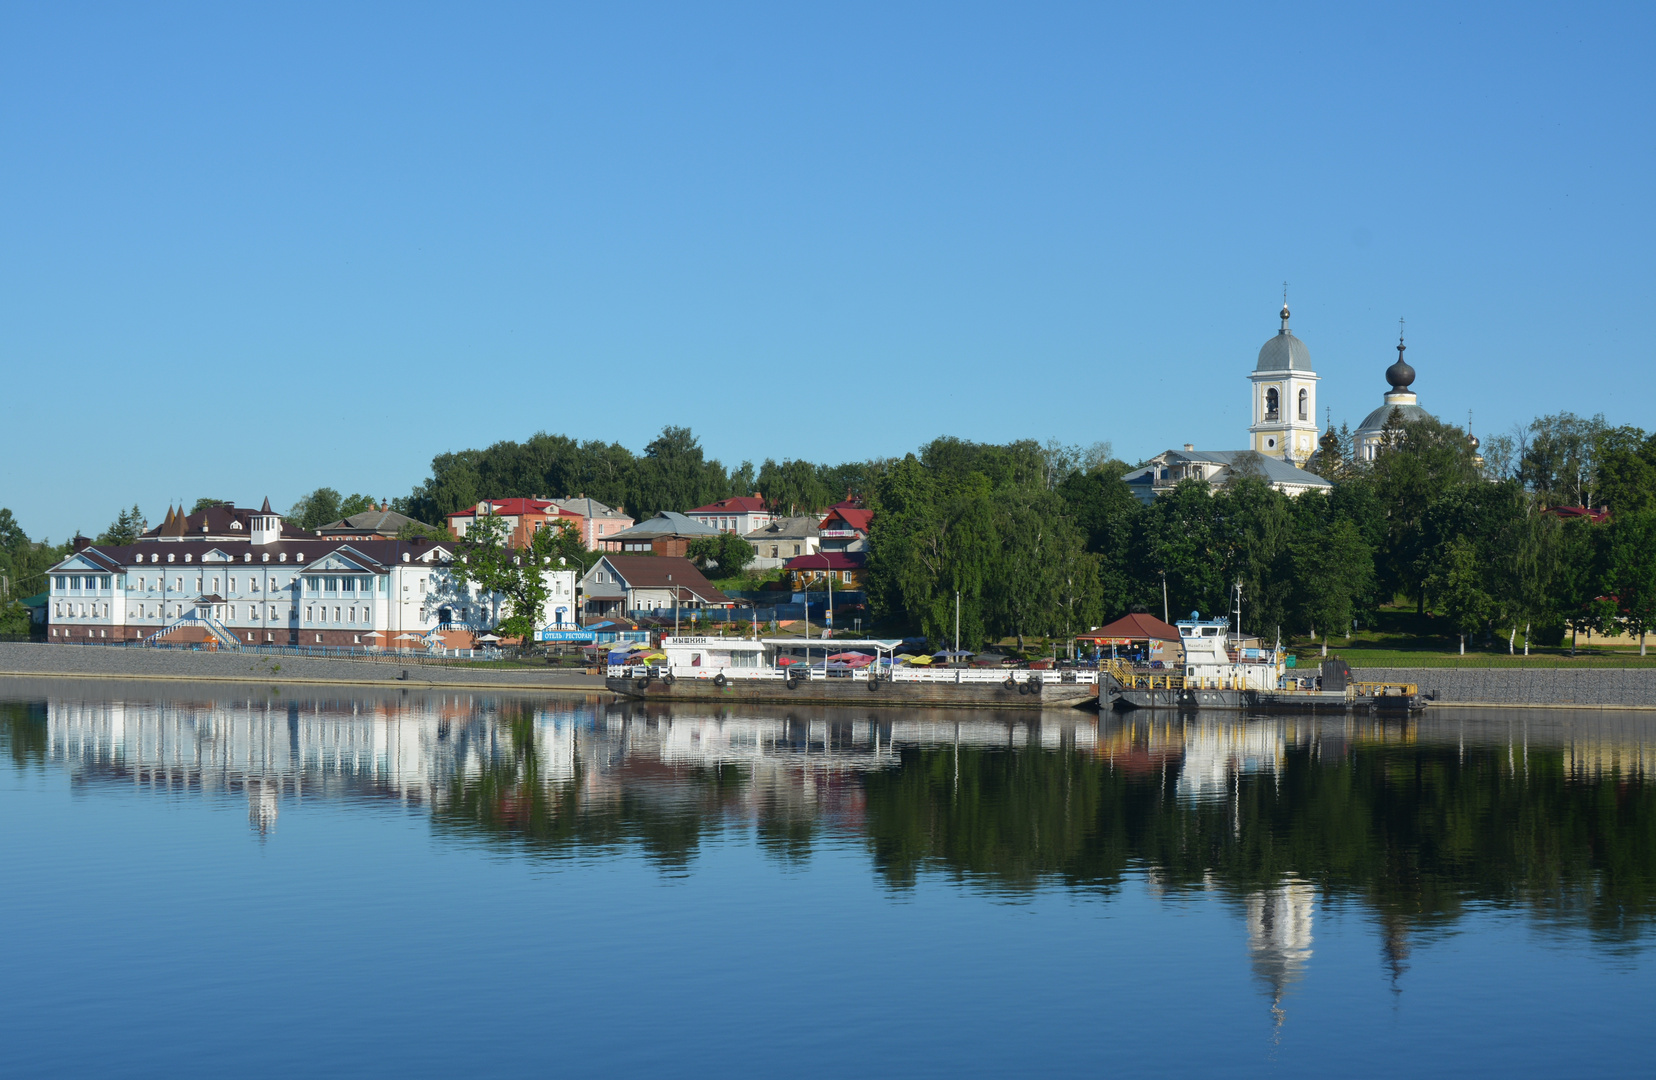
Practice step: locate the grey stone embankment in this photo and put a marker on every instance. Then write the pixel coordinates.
(1539, 686)
(92, 661)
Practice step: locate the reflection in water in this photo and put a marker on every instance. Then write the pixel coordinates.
(1416, 820)
(1279, 937)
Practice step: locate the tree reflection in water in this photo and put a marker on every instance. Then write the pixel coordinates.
(1552, 814)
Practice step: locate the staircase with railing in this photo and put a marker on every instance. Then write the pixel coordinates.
(223, 636)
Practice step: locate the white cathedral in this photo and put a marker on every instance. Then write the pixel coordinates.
(1284, 433)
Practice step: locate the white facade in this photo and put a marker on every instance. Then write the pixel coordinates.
(740, 515)
(270, 590)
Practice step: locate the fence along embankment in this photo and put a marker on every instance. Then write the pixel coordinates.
(1585, 687)
(90, 661)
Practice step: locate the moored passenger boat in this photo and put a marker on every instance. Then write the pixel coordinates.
(794, 671)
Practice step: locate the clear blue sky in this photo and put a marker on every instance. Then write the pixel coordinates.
(254, 249)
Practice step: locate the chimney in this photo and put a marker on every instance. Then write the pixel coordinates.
(1189, 446)
(80, 543)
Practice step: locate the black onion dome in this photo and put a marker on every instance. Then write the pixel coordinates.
(1400, 374)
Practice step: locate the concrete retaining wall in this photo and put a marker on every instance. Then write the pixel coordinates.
(19, 658)
(1527, 686)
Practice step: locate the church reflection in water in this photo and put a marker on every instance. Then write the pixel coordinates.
(1552, 814)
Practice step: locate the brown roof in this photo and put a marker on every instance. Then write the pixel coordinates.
(382, 552)
(650, 572)
(1136, 627)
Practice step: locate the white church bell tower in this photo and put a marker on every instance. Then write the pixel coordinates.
(1284, 399)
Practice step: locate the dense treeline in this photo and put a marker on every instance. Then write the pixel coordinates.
(1045, 540)
(23, 565)
(671, 474)
(1038, 543)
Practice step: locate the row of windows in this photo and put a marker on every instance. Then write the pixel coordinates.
(88, 581)
(144, 584)
(80, 611)
(319, 613)
(247, 557)
(319, 584)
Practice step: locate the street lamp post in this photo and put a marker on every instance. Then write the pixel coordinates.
(828, 572)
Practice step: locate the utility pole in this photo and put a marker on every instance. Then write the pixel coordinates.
(1164, 596)
(957, 626)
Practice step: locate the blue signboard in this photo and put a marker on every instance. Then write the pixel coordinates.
(565, 635)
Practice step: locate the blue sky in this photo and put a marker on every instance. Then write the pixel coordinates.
(254, 249)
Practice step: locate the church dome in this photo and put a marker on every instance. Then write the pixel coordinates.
(1284, 352)
(1375, 422)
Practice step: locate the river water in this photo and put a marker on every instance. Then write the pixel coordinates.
(264, 881)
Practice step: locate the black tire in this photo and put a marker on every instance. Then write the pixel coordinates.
(1023, 688)
(719, 680)
(668, 679)
(1010, 683)
(1034, 683)
(793, 683)
(873, 685)
(642, 683)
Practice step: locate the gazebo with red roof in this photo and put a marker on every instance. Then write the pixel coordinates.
(1161, 640)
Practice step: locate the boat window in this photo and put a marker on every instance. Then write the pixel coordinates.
(1209, 631)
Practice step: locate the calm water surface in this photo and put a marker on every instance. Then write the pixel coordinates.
(259, 881)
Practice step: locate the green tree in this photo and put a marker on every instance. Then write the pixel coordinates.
(1419, 463)
(514, 578)
(1630, 570)
(793, 487)
(1557, 459)
(126, 528)
(208, 504)
(674, 475)
(1625, 464)
(1333, 568)
(315, 510)
(1457, 582)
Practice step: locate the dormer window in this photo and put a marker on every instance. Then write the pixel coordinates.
(235, 524)
(282, 557)
(188, 556)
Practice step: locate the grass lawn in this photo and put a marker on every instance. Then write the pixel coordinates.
(1400, 638)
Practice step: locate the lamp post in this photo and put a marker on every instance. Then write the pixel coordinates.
(1164, 595)
(675, 604)
(828, 572)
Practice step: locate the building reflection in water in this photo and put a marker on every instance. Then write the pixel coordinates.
(1007, 802)
(1279, 937)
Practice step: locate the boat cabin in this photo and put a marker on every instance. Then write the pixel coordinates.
(1213, 658)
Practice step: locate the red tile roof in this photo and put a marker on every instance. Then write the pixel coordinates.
(740, 504)
(853, 517)
(1136, 627)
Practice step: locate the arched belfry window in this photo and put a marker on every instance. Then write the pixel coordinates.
(1305, 404)
(1271, 404)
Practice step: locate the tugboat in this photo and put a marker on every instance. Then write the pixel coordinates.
(1218, 673)
(860, 672)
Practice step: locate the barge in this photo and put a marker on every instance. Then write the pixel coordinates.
(781, 670)
(1219, 673)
